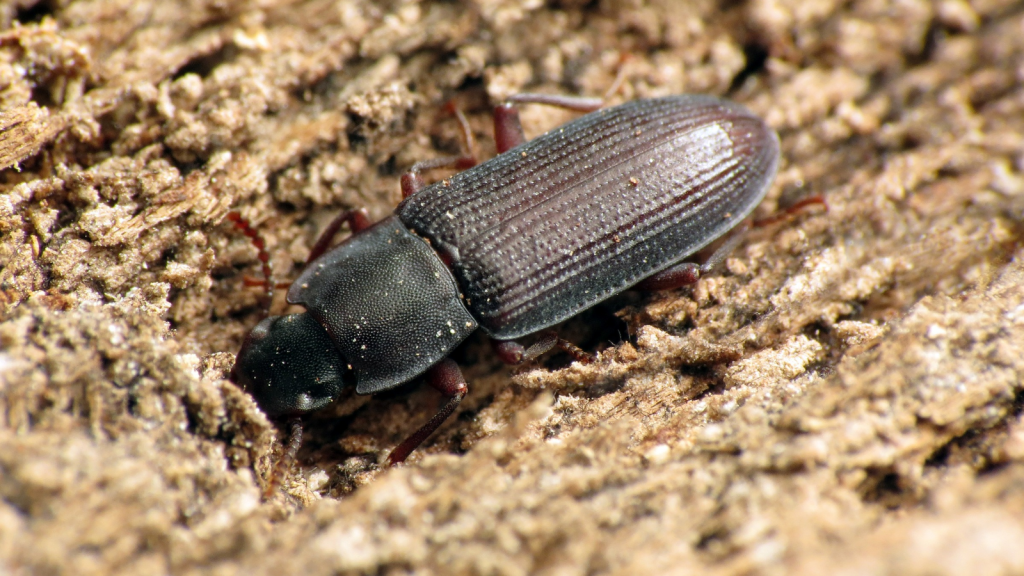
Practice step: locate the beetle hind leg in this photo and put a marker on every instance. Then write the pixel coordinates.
(515, 354)
(798, 208)
(688, 273)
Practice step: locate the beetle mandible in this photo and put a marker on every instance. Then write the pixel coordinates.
(615, 199)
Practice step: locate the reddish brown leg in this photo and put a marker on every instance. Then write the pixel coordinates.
(688, 273)
(683, 274)
(800, 206)
(514, 354)
(291, 449)
(412, 182)
(446, 378)
(468, 144)
(508, 130)
(253, 282)
(358, 220)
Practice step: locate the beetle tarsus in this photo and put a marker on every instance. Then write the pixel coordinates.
(446, 378)
(577, 353)
(412, 182)
(468, 159)
(252, 282)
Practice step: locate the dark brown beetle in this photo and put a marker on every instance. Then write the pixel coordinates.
(615, 199)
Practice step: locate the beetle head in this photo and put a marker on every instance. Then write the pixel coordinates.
(289, 365)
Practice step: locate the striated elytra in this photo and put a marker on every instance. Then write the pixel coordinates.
(564, 221)
(512, 246)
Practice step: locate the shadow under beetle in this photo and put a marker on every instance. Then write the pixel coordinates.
(612, 200)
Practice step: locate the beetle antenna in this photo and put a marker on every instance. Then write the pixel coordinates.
(264, 256)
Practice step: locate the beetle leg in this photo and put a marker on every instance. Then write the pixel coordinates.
(688, 273)
(412, 182)
(468, 144)
(446, 378)
(508, 130)
(291, 449)
(683, 274)
(794, 209)
(514, 354)
(252, 282)
(577, 103)
(358, 220)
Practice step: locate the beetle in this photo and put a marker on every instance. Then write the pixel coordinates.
(617, 198)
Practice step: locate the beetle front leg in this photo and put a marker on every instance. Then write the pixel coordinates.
(514, 354)
(358, 220)
(446, 378)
